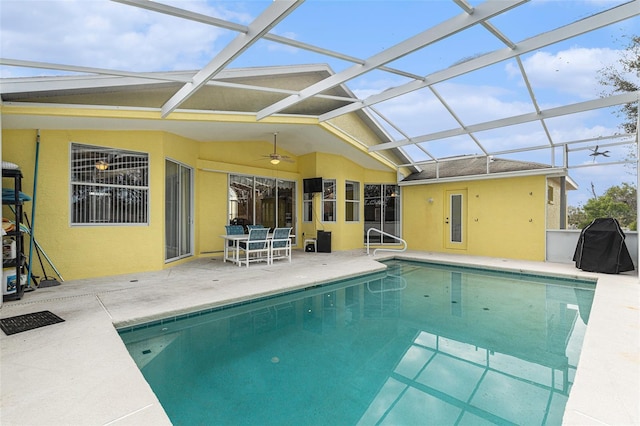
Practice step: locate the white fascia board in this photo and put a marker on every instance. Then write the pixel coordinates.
(551, 172)
(583, 26)
(452, 26)
(572, 182)
(113, 79)
(77, 106)
(143, 109)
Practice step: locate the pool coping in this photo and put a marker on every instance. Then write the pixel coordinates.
(79, 372)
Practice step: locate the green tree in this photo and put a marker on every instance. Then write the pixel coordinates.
(576, 216)
(619, 79)
(618, 202)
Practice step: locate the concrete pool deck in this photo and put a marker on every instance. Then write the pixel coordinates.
(79, 372)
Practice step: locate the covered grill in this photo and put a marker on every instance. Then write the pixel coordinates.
(601, 248)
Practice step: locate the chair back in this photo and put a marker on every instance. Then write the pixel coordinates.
(234, 229)
(281, 237)
(257, 238)
(250, 227)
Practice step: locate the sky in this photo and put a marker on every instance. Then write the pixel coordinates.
(111, 35)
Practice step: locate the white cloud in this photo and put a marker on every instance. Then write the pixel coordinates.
(574, 71)
(107, 35)
(420, 112)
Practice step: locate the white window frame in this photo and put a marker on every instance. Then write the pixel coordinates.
(329, 198)
(352, 204)
(103, 183)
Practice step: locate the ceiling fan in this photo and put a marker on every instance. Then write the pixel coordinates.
(274, 157)
(595, 153)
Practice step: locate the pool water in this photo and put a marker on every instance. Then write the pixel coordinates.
(418, 344)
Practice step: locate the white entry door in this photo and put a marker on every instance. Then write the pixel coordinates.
(178, 210)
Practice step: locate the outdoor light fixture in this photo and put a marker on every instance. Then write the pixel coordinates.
(275, 161)
(102, 165)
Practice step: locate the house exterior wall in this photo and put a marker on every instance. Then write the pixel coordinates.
(344, 235)
(93, 251)
(87, 251)
(553, 204)
(503, 217)
(212, 191)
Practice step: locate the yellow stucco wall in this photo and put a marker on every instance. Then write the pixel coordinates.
(344, 235)
(87, 251)
(554, 211)
(503, 217)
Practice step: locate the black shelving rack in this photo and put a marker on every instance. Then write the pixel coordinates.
(19, 261)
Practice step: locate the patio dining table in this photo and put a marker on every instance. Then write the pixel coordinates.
(234, 254)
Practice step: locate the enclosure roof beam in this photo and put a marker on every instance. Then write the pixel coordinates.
(275, 13)
(445, 29)
(608, 17)
(220, 23)
(623, 98)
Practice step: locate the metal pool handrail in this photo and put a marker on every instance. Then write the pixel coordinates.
(398, 278)
(388, 235)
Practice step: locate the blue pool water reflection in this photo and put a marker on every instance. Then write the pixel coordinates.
(417, 344)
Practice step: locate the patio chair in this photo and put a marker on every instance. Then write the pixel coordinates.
(232, 230)
(255, 248)
(250, 227)
(281, 244)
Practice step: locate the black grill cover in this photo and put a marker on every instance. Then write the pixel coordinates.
(601, 248)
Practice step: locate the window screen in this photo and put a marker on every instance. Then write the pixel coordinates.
(108, 186)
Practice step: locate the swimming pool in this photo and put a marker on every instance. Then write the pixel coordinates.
(419, 343)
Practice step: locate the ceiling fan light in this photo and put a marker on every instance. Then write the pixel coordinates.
(102, 165)
(275, 161)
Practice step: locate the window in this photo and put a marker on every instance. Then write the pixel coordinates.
(352, 202)
(259, 200)
(329, 200)
(382, 211)
(307, 208)
(108, 186)
(550, 194)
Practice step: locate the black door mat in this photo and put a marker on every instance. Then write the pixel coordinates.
(20, 323)
(48, 282)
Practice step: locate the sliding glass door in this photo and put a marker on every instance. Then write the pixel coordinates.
(178, 211)
(382, 212)
(259, 200)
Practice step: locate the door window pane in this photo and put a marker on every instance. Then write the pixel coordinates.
(264, 201)
(382, 211)
(456, 218)
(286, 204)
(240, 200)
(178, 210)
